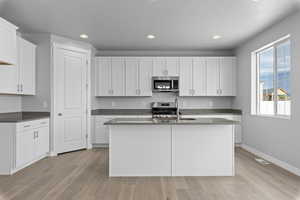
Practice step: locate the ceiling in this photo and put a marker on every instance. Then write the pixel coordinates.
(124, 24)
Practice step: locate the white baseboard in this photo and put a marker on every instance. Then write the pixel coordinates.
(273, 160)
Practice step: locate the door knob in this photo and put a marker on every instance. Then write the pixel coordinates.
(59, 114)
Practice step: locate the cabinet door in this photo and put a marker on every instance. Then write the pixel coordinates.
(186, 77)
(41, 141)
(159, 67)
(145, 76)
(103, 76)
(25, 147)
(101, 131)
(227, 76)
(132, 73)
(8, 79)
(8, 47)
(26, 62)
(118, 76)
(212, 71)
(172, 66)
(199, 77)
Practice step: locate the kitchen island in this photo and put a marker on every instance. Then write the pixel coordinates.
(185, 147)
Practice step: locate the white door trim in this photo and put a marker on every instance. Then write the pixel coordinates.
(53, 142)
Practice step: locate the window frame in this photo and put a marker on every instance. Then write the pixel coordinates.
(255, 100)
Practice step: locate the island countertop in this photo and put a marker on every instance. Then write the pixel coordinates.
(184, 121)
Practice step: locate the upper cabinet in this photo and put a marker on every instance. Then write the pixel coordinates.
(118, 76)
(192, 76)
(166, 66)
(138, 76)
(198, 76)
(8, 43)
(221, 76)
(26, 67)
(20, 78)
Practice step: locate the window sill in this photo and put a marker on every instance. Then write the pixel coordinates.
(273, 116)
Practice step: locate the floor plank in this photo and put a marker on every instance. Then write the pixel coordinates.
(84, 175)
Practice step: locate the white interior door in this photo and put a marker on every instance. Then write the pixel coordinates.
(70, 94)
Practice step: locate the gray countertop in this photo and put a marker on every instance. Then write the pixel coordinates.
(14, 117)
(188, 121)
(182, 111)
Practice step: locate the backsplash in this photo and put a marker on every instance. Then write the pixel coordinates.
(10, 103)
(145, 102)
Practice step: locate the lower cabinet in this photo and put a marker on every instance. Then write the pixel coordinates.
(100, 132)
(22, 144)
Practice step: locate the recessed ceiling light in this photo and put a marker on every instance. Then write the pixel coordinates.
(216, 37)
(150, 36)
(84, 36)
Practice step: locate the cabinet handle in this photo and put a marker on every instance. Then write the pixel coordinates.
(59, 114)
(220, 91)
(112, 91)
(37, 134)
(21, 87)
(26, 126)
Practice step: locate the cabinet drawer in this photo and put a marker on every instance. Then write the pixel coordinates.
(32, 124)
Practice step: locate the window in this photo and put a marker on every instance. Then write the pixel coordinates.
(271, 70)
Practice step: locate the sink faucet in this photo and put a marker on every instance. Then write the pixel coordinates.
(177, 108)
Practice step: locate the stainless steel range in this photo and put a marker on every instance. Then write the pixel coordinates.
(165, 110)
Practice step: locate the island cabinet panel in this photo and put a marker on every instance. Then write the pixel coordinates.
(203, 150)
(140, 150)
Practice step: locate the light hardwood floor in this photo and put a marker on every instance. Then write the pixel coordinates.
(83, 175)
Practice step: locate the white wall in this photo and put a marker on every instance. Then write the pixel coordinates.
(276, 137)
(145, 102)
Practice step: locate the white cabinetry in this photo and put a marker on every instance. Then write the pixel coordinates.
(221, 76)
(138, 76)
(8, 53)
(199, 76)
(118, 76)
(192, 77)
(166, 66)
(100, 131)
(26, 67)
(22, 144)
(20, 78)
(110, 76)
(103, 76)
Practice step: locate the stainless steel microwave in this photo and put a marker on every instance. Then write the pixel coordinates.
(165, 84)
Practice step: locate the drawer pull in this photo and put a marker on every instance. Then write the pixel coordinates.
(26, 126)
